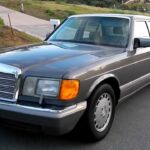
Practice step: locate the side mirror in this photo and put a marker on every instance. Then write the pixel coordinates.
(54, 23)
(141, 42)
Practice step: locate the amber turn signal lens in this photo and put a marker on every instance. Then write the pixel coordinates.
(69, 89)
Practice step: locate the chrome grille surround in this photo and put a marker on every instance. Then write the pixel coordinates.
(9, 82)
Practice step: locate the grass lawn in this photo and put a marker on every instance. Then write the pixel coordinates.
(19, 38)
(51, 9)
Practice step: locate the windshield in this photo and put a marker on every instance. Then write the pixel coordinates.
(108, 31)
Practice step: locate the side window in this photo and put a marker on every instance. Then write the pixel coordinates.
(140, 30)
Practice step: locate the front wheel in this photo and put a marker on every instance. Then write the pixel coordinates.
(100, 112)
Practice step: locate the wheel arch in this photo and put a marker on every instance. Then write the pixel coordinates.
(110, 79)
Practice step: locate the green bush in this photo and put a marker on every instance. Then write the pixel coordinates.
(98, 3)
(64, 13)
(1, 22)
(1, 29)
(1, 33)
(60, 2)
(50, 12)
(59, 13)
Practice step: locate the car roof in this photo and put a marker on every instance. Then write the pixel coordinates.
(141, 17)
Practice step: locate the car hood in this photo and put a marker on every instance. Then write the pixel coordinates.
(55, 59)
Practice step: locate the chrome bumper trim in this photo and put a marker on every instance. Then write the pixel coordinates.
(43, 112)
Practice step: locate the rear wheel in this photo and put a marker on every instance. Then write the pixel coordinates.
(100, 112)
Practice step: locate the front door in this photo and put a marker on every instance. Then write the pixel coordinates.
(141, 58)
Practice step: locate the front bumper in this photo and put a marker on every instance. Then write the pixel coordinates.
(58, 121)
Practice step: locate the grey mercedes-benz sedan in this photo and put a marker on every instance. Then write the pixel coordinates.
(78, 75)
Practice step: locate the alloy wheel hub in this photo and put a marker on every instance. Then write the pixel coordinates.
(103, 111)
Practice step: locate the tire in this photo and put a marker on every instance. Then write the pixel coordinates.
(100, 112)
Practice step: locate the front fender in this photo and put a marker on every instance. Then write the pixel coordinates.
(99, 80)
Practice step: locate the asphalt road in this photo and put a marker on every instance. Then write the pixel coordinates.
(130, 131)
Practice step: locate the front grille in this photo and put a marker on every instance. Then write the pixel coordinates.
(7, 86)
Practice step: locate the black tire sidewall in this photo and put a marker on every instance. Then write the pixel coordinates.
(105, 88)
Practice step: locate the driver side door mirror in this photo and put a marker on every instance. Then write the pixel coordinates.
(141, 43)
(54, 24)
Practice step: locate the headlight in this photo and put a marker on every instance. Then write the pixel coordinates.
(47, 88)
(36, 87)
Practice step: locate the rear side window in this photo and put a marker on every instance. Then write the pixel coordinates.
(140, 30)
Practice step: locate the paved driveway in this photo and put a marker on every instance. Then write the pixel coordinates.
(130, 131)
(26, 23)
